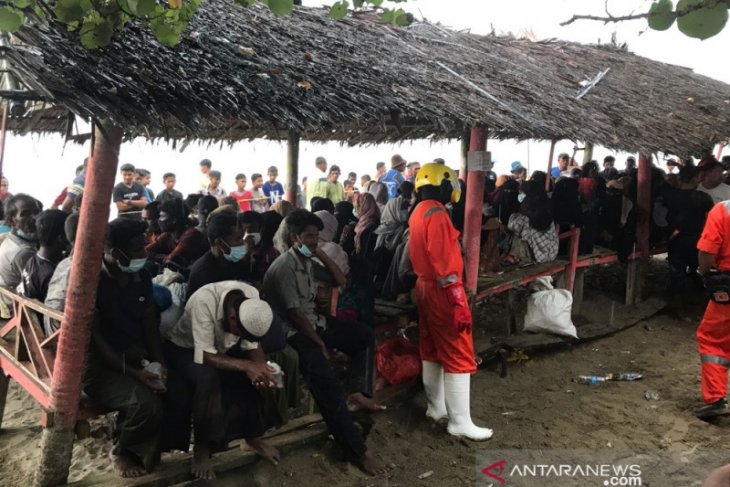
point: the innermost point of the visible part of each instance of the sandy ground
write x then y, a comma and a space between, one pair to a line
535, 407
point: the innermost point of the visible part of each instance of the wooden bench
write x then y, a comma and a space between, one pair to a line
509, 281
27, 356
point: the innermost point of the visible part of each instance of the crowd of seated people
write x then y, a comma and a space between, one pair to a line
246, 280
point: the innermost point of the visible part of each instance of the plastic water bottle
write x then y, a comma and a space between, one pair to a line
278, 374
627, 376
590, 379
155, 368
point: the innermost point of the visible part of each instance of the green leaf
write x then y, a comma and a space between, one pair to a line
10, 19
281, 7
703, 22
142, 8
375, 3
339, 10
388, 16
70, 10
166, 33
356, 4
400, 18
22, 3
96, 31
661, 15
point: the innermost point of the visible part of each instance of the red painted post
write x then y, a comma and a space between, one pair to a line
473, 211
292, 167
57, 442
643, 202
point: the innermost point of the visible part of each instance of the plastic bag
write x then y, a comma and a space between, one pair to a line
549, 312
398, 361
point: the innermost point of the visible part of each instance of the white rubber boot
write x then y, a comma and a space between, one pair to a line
456, 388
433, 384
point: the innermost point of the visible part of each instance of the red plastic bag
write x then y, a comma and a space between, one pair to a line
398, 361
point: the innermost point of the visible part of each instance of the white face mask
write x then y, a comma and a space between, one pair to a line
521, 197
256, 237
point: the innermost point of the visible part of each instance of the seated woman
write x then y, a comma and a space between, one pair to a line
361, 294
393, 223
177, 243
534, 238
325, 284
379, 191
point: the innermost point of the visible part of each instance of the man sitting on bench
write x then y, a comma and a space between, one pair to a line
126, 333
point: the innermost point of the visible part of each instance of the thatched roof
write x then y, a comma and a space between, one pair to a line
244, 73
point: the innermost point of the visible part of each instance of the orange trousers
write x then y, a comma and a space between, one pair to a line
713, 341
439, 339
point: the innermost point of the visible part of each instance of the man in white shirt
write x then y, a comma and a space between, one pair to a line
216, 367
713, 175
317, 181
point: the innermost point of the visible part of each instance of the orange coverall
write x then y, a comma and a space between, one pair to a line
713, 334
436, 257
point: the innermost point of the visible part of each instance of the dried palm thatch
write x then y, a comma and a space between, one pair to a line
242, 73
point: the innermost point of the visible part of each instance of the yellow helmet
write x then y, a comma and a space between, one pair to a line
433, 174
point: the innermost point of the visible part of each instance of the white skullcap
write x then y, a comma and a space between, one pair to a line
255, 316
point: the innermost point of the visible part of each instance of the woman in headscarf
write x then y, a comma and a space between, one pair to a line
345, 214
326, 243
394, 218
282, 207
379, 191
361, 295
534, 238
325, 285
368, 220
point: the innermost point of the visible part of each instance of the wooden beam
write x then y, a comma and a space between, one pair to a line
550, 164
292, 166
473, 211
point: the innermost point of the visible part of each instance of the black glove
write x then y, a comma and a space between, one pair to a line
718, 286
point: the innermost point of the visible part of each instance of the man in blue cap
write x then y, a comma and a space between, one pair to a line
518, 171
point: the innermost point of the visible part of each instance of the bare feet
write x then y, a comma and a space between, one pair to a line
373, 466
358, 402
126, 464
201, 466
265, 451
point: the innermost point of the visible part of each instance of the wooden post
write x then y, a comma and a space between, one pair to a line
637, 268
474, 209
464, 167
588, 152
57, 440
292, 166
720, 148
3, 132
550, 164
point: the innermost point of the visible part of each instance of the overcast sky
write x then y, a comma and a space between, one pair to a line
27, 158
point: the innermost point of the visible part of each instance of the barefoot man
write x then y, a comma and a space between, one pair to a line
446, 344
216, 368
290, 288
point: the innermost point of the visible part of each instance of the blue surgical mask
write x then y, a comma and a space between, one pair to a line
521, 197
135, 265
304, 250
236, 253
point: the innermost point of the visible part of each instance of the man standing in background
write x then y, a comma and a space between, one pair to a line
205, 166
129, 196
272, 188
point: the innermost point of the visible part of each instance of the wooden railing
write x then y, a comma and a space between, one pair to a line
26, 353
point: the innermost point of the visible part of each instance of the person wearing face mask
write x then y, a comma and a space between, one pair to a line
58, 285
218, 368
39, 268
125, 337
228, 257
289, 286
21, 212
